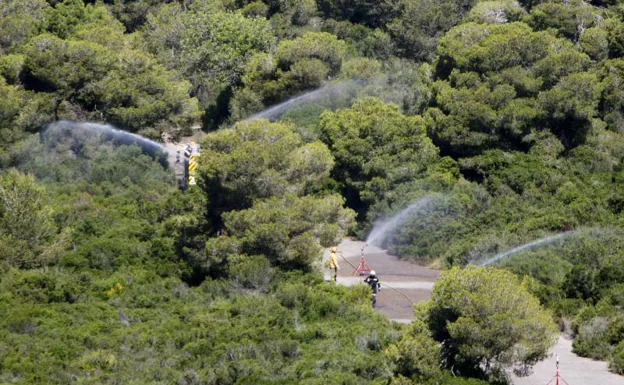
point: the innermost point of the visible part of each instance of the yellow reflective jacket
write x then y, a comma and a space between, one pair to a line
333, 261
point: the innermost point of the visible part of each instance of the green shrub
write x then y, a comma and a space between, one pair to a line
616, 364
592, 340
250, 272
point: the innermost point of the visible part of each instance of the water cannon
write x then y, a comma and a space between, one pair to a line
362, 268
557, 379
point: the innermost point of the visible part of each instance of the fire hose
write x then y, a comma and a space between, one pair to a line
383, 284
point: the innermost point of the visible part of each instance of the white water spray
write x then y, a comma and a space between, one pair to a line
107, 131
382, 229
330, 90
524, 247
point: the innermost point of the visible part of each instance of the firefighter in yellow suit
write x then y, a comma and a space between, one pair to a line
333, 263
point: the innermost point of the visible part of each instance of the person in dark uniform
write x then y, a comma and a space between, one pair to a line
374, 284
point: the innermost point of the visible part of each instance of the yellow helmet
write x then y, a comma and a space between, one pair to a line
333, 249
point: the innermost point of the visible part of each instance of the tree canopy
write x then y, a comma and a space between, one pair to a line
506, 117
376, 148
486, 321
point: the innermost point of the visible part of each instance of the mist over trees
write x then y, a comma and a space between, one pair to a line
508, 115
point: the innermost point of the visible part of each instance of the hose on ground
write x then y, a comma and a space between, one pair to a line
347, 261
383, 284
400, 292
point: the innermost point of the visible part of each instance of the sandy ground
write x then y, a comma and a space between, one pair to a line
573, 369
415, 282
399, 279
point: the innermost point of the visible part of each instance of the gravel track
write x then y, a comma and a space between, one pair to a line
573, 369
395, 275
416, 282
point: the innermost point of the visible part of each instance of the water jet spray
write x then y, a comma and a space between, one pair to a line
273, 113
381, 229
526, 246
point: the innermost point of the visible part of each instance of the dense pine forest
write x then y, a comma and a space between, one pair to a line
507, 116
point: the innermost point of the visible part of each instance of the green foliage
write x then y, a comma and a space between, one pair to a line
139, 94
64, 65
251, 273
164, 31
483, 48
420, 23
367, 12
244, 338
591, 341
68, 15
500, 81
365, 41
19, 21
451, 379
290, 231
11, 67
259, 160
258, 177
599, 328
26, 226
135, 13
129, 88
67, 157
416, 355
107, 201
569, 20
532, 194
222, 49
486, 321
495, 12
612, 73
615, 37
376, 147
207, 46
13, 109
523, 101
617, 361
297, 65
322, 46
114, 302
571, 104
579, 281
594, 42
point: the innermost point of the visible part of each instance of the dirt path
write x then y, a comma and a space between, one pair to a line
416, 282
573, 369
412, 280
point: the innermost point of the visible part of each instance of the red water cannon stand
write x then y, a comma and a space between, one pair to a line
557, 380
362, 268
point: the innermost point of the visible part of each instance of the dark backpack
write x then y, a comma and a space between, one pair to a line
373, 282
